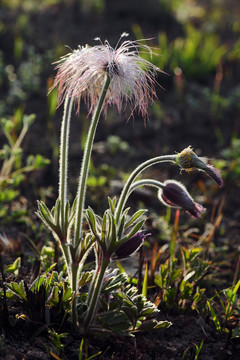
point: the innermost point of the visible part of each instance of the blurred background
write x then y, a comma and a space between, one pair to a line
196, 44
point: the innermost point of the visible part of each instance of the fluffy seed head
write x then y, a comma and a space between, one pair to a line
174, 194
81, 74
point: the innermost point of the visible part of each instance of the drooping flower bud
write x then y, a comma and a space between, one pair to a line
174, 194
130, 246
187, 159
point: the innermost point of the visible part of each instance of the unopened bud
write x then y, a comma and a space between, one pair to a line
174, 194
130, 246
187, 160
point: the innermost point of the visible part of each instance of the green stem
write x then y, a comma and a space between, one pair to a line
96, 289
63, 158
67, 258
76, 269
74, 283
125, 192
85, 165
95, 275
145, 182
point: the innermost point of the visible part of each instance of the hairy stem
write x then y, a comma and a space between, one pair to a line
74, 287
96, 289
125, 192
85, 165
63, 159
145, 182
67, 258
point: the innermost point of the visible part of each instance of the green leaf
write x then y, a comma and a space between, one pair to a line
114, 229
45, 215
135, 229
135, 217
104, 226
108, 235
161, 278
236, 287
67, 294
28, 119
121, 227
112, 204
85, 277
16, 290
94, 355
57, 213
214, 317
37, 283
92, 221
35, 162
47, 220
67, 210
198, 350
115, 281
153, 324
116, 322
14, 268
189, 275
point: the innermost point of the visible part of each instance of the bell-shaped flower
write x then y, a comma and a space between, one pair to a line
187, 159
81, 74
130, 246
174, 194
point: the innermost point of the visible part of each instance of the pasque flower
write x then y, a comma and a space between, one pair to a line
187, 159
130, 246
103, 76
81, 74
174, 194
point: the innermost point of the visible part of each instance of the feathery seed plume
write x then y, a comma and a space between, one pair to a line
81, 75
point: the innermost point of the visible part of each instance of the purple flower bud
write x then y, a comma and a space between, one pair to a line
174, 194
130, 246
187, 159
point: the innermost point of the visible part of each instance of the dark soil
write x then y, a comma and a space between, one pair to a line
187, 331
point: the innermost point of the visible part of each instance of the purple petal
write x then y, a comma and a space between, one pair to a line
214, 174
196, 211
